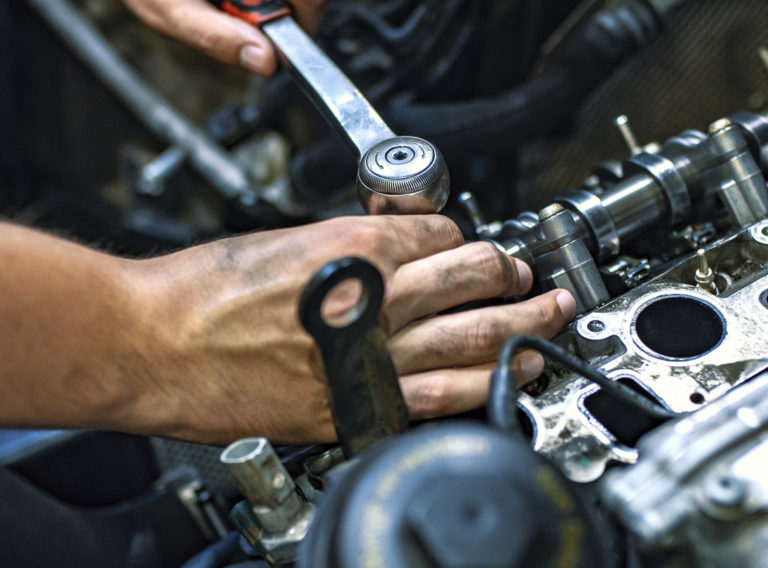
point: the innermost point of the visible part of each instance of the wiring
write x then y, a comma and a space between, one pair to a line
502, 397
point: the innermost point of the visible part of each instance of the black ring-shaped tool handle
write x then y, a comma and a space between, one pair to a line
362, 385
365, 313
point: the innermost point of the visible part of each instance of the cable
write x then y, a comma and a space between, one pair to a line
502, 396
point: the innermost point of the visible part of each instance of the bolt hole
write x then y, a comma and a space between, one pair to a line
764, 231
400, 155
596, 326
697, 398
344, 304
764, 298
537, 386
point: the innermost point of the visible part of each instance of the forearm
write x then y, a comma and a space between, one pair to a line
206, 344
69, 330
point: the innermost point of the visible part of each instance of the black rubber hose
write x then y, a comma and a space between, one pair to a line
502, 396
589, 55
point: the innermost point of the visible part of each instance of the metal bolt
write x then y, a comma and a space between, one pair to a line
278, 480
550, 211
625, 130
705, 277
596, 326
719, 125
763, 53
400, 155
472, 207
726, 491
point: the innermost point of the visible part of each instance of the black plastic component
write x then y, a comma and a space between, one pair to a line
456, 495
92, 469
153, 531
586, 57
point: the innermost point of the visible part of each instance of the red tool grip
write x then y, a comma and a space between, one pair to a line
256, 12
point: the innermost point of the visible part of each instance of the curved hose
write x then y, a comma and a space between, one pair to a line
586, 57
502, 396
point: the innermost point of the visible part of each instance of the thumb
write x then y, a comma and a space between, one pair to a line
215, 33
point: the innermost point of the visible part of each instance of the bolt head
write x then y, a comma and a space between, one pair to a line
719, 125
726, 491
278, 480
550, 211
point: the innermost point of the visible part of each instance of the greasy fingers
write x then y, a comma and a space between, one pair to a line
475, 271
413, 237
208, 29
452, 391
217, 34
476, 336
389, 241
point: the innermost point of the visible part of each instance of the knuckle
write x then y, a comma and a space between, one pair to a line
547, 314
483, 336
495, 268
357, 234
432, 394
449, 232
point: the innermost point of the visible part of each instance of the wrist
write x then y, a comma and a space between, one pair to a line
137, 400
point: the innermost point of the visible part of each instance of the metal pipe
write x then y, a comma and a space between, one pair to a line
165, 121
635, 204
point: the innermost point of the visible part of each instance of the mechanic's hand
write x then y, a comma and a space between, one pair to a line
224, 37
231, 358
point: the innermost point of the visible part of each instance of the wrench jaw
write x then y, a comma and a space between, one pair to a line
402, 175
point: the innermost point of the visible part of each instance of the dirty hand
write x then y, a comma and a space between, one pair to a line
223, 37
231, 359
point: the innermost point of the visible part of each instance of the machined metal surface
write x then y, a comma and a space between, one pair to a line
616, 339
275, 518
563, 259
743, 188
396, 174
669, 179
329, 88
590, 208
700, 486
403, 174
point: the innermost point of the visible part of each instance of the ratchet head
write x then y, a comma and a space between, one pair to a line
403, 174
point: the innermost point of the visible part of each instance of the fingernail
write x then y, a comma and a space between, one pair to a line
524, 275
567, 305
252, 58
531, 365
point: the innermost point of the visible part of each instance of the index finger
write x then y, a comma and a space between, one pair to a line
412, 237
206, 28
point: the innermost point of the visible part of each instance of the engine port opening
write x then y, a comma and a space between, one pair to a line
680, 327
537, 386
624, 421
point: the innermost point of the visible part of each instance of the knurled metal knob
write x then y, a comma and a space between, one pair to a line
404, 174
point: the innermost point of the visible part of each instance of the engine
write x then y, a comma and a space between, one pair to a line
644, 441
